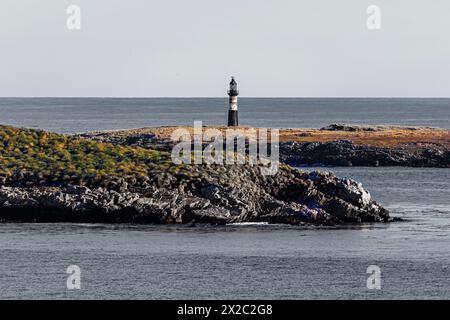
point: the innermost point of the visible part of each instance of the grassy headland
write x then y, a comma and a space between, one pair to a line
50, 157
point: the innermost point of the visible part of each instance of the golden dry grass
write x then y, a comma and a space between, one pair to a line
384, 138
389, 137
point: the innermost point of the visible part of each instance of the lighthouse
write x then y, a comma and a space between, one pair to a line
233, 111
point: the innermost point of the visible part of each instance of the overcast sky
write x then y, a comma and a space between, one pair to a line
180, 48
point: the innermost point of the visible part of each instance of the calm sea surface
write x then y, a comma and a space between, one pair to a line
239, 261
84, 114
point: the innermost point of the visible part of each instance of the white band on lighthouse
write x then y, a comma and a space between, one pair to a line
233, 103
233, 93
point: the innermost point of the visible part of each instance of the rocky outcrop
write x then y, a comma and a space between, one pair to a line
208, 194
345, 153
367, 127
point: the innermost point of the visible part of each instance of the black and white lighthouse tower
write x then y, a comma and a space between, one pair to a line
233, 120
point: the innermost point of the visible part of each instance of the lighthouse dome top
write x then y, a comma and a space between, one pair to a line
233, 88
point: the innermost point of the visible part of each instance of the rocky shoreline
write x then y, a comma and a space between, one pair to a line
346, 153
46, 177
376, 145
237, 194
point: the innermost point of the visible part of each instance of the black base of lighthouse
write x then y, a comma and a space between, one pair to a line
233, 118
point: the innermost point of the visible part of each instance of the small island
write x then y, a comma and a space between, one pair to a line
128, 176
48, 177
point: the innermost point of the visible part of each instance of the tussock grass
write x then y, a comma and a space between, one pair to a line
62, 158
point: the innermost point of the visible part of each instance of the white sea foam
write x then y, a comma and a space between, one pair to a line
249, 224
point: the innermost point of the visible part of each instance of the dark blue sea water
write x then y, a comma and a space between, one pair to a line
85, 114
239, 261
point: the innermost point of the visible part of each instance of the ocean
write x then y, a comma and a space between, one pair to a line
68, 115
239, 261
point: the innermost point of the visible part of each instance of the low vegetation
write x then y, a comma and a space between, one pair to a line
389, 136
36, 156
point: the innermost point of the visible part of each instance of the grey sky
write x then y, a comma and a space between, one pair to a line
186, 48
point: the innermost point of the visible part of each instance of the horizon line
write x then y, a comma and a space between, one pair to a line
219, 97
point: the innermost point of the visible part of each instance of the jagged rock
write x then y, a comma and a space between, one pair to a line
353, 192
355, 127
345, 153
243, 194
214, 214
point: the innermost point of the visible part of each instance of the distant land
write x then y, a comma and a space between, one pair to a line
333, 145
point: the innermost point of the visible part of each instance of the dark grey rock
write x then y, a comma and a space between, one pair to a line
211, 195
